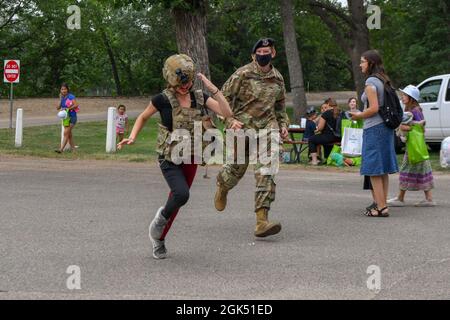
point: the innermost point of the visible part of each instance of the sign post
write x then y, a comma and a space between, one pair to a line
11, 98
11, 74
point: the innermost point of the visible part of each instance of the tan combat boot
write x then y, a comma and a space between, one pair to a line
265, 228
220, 199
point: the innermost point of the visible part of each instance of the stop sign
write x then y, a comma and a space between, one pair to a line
11, 72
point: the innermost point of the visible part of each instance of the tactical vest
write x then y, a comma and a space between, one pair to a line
182, 118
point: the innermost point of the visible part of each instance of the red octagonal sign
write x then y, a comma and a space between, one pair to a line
11, 72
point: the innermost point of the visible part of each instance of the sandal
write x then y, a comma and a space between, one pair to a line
380, 213
369, 208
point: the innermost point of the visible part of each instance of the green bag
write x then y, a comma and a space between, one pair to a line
346, 123
415, 145
66, 121
357, 161
336, 149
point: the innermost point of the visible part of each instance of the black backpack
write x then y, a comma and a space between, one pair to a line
390, 109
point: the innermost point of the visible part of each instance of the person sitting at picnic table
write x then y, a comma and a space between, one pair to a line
327, 132
325, 106
312, 119
353, 104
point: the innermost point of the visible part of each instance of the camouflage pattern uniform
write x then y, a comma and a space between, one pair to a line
257, 99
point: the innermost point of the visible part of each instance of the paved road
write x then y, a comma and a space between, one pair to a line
43, 121
95, 215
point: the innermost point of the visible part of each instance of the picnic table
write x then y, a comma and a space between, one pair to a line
298, 145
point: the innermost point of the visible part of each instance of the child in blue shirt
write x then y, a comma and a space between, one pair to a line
311, 123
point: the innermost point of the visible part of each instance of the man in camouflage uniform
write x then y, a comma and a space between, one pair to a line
256, 95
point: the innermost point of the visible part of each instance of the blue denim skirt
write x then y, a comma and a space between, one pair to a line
378, 151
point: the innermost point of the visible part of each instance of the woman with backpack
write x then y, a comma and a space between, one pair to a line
179, 107
378, 154
417, 176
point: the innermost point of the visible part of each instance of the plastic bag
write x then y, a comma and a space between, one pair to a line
66, 120
330, 160
416, 145
445, 153
352, 142
285, 157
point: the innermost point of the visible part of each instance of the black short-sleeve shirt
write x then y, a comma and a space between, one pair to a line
330, 121
162, 104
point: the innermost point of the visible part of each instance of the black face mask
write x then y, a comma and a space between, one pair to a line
264, 60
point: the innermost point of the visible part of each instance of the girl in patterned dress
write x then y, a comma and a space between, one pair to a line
419, 176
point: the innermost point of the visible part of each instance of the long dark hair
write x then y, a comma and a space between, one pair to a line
376, 67
65, 85
333, 103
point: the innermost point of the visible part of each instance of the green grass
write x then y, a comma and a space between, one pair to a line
90, 137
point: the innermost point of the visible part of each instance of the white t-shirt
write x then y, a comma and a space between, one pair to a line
120, 121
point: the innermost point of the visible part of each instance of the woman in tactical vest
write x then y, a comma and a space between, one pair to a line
179, 106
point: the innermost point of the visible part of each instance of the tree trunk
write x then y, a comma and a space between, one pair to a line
126, 66
360, 41
112, 60
293, 59
190, 26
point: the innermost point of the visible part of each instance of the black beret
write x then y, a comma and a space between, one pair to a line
263, 42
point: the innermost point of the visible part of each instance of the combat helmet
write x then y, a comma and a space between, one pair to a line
178, 69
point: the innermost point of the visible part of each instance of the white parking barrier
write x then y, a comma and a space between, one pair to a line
19, 128
111, 131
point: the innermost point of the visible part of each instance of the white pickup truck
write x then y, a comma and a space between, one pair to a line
435, 103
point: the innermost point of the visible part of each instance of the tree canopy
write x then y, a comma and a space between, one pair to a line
121, 46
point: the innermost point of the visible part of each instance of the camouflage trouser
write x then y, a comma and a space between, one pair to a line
230, 175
